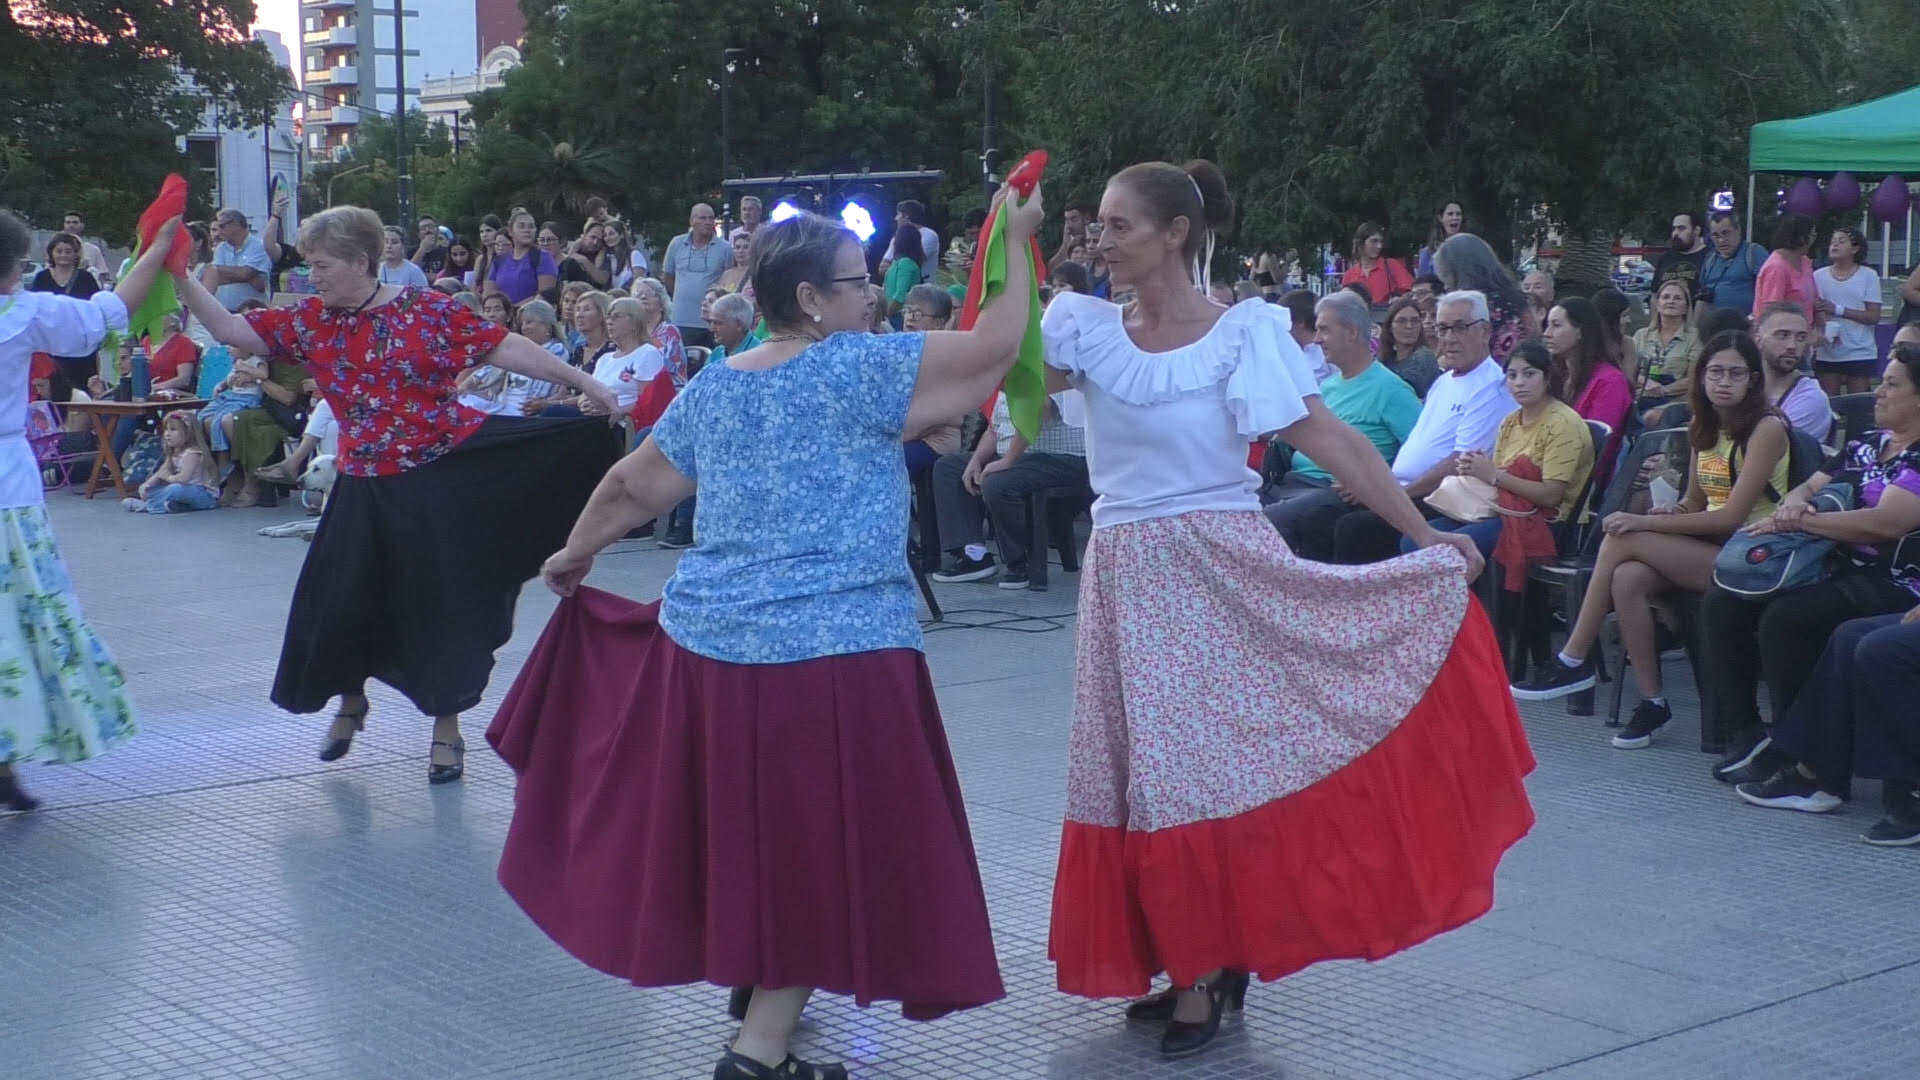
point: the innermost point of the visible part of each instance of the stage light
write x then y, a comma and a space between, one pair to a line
855, 217
783, 210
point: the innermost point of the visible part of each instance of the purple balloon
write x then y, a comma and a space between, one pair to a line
1804, 197
1889, 200
1843, 193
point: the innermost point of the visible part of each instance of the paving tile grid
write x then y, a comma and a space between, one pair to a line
211, 901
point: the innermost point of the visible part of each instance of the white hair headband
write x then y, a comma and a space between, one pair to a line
1202, 269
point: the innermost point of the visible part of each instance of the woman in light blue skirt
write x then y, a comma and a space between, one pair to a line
62, 698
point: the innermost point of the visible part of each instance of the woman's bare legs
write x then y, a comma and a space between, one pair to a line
768, 1028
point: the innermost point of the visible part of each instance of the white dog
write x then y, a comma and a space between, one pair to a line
316, 480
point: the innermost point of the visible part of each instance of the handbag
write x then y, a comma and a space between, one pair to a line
1465, 498
1767, 565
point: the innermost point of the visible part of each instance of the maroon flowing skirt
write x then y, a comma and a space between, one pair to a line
680, 819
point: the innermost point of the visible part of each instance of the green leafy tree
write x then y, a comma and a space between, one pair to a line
1608, 112
368, 174
94, 98
617, 98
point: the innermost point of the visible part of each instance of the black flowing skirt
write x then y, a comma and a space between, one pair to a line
412, 578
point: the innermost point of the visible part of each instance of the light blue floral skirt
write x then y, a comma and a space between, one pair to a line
62, 698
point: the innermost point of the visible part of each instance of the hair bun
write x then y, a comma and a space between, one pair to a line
1217, 203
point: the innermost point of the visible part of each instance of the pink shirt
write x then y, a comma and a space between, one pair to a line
1781, 280
1606, 398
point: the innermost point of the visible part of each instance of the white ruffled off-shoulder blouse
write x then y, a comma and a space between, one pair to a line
1167, 432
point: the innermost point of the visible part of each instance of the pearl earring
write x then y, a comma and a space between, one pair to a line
816, 317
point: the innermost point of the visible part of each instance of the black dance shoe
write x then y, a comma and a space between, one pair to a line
332, 749
15, 797
446, 774
1183, 1038
734, 1066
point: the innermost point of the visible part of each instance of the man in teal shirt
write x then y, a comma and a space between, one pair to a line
1362, 393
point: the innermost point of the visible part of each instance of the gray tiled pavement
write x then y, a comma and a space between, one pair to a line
210, 901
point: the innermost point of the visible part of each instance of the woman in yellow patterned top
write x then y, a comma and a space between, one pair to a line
1739, 475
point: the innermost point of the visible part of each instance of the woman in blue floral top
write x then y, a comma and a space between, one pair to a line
62, 698
747, 782
440, 512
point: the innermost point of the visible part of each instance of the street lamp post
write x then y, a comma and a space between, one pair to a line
989, 118
338, 175
405, 185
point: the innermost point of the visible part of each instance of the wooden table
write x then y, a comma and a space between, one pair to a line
106, 416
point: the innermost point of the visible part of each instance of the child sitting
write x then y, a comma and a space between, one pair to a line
236, 393
185, 480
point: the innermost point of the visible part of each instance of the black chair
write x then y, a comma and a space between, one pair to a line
1050, 516
926, 523
1569, 576
1856, 415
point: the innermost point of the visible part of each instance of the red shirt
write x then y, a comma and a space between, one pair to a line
389, 373
166, 361
1388, 279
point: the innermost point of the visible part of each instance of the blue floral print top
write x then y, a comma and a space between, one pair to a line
800, 546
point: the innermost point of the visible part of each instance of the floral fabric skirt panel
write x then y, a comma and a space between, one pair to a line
1275, 762
62, 698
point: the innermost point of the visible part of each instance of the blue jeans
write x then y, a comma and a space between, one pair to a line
1483, 533
180, 498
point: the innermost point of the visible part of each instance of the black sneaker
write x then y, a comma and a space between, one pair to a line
677, 539
964, 568
1901, 825
1015, 577
1647, 719
1557, 681
1753, 760
1789, 790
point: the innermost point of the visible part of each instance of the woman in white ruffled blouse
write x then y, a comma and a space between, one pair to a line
1270, 764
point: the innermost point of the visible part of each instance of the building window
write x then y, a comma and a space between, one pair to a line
204, 152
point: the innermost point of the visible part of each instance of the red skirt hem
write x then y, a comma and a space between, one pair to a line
1396, 847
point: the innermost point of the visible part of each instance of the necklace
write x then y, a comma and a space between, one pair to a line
809, 339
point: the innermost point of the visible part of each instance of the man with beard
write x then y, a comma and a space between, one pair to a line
1683, 258
1783, 337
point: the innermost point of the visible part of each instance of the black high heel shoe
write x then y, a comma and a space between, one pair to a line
734, 1066
1155, 1008
1183, 1038
15, 797
443, 774
333, 749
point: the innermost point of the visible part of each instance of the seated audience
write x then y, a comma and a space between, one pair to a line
1300, 305
1855, 718
1876, 571
929, 307
1462, 413
1403, 346
1597, 389
994, 481
1740, 455
1666, 347
1542, 456
185, 479
1784, 335
321, 435
1363, 394
233, 395
730, 322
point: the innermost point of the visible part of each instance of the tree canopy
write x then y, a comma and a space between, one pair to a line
94, 98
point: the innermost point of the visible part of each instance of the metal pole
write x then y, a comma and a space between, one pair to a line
1749, 236
990, 119
405, 187
726, 206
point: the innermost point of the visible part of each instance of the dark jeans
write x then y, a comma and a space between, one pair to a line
1856, 714
1306, 514
1780, 638
1003, 497
1484, 533
920, 456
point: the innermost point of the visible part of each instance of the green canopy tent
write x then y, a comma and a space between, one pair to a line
1873, 138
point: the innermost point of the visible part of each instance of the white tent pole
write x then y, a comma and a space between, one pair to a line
1749, 208
1886, 250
